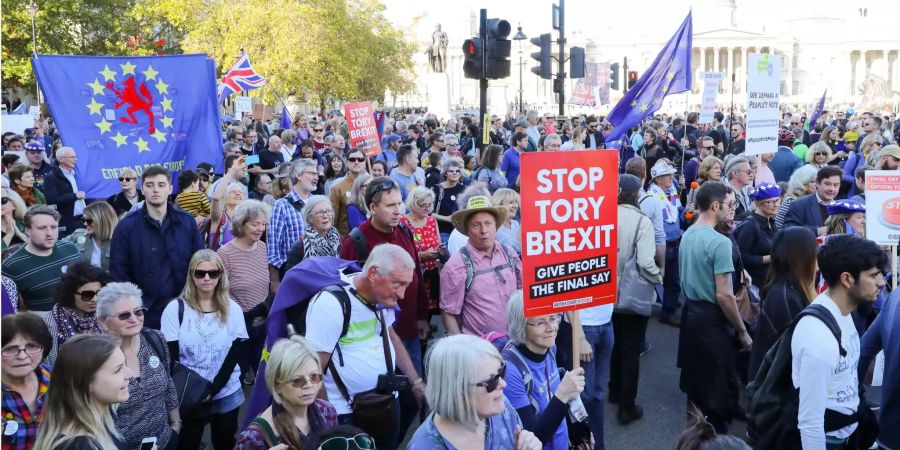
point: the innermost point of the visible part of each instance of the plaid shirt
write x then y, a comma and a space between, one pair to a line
285, 227
16, 411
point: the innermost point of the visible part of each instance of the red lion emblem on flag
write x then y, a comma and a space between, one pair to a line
136, 101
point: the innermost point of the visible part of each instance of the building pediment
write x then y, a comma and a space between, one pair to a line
727, 33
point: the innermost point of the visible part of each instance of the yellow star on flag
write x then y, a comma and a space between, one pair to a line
150, 73
142, 145
95, 106
159, 136
265, 353
162, 87
644, 106
97, 87
671, 75
128, 68
166, 102
120, 139
634, 103
167, 121
104, 126
665, 89
108, 75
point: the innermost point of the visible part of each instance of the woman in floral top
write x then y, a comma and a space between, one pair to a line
424, 228
294, 377
26, 342
75, 312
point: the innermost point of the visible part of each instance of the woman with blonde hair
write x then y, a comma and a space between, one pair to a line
465, 392
13, 214
129, 194
293, 377
577, 140
357, 211
802, 182
93, 240
846, 217
225, 199
90, 376
865, 155
205, 330
710, 170
819, 155
509, 232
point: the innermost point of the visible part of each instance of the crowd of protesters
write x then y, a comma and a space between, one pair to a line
162, 291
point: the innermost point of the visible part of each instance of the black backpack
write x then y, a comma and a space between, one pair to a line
362, 247
775, 402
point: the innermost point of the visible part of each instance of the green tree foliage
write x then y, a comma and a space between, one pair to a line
318, 49
79, 27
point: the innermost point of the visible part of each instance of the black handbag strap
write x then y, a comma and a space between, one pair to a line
387, 359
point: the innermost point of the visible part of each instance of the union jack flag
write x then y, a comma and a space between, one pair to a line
241, 77
583, 94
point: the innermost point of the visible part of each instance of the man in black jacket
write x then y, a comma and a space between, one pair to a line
61, 189
594, 138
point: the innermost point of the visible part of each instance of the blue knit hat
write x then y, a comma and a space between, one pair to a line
845, 207
765, 191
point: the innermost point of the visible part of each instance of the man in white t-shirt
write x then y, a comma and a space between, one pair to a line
851, 266
374, 294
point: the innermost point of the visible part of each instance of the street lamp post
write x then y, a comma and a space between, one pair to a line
32, 9
520, 36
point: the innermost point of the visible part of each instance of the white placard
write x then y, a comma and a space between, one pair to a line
17, 123
763, 98
34, 111
243, 104
878, 373
883, 206
711, 81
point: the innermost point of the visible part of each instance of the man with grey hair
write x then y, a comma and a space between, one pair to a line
534, 129
739, 175
552, 143
286, 224
61, 190
374, 294
384, 227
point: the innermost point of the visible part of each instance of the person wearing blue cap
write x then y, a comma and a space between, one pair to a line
846, 217
34, 152
390, 144
754, 235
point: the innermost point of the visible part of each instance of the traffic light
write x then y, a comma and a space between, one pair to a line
542, 56
614, 76
472, 66
576, 62
632, 78
497, 50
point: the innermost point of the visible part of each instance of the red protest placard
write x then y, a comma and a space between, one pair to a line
569, 217
362, 128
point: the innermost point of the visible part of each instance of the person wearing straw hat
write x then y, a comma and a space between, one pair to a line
477, 281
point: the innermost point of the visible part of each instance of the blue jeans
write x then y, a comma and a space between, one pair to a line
596, 376
671, 283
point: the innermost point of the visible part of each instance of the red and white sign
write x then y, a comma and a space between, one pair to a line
362, 127
883, 206
569, 219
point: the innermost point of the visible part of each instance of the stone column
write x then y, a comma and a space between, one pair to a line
789, 73
702, 64
715, 60
730, 70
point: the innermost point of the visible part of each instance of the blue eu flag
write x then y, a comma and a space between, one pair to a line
670, 73
131, 112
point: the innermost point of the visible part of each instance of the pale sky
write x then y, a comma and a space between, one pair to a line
656, 19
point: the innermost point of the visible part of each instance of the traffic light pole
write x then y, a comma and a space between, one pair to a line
483, 82
561, 63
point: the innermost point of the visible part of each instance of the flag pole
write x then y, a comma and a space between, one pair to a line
283, 105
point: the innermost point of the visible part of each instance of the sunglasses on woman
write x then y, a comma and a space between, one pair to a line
213, 274
124, 179
490, 385
362, 441
87, 295
87, 221
127, 314
303, 380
